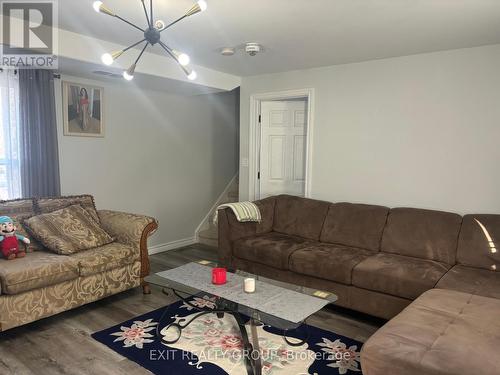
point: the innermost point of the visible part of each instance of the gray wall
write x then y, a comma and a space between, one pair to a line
420, 130
164, 155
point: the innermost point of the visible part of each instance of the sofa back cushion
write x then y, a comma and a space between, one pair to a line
19, 210
47, 205
422, 233
479, 242
300, 217
355, 225
68, 230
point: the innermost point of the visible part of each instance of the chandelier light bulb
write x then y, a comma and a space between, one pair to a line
97, 6
203, 5
182, 58
129, 73
127, 76
107, 59
192, 76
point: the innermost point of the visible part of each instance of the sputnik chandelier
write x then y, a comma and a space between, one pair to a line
152, 36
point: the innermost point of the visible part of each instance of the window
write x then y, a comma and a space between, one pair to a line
10, 177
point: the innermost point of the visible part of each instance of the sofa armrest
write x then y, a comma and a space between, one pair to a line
132, 230
230, 229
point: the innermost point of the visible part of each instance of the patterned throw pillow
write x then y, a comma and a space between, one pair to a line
46, 205
68, 231
34, 245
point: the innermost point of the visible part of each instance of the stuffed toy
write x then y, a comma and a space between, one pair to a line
9, 240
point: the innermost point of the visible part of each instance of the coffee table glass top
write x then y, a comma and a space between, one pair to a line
280, 304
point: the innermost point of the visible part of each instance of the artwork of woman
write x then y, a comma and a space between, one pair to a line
84, 108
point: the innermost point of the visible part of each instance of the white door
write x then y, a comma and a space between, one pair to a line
283, 147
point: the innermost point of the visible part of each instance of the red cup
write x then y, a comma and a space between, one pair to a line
219, 276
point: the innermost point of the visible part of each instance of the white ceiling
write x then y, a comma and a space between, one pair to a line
298, 34
91, 71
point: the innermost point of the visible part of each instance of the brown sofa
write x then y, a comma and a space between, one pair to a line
44, 283
378, 260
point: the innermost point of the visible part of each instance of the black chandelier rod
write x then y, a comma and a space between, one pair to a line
128, 22
174, 22
146, 12
151, 12
167, 48
140, 55
133, 45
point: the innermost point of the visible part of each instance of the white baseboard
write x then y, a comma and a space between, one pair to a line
171, 245
204, 222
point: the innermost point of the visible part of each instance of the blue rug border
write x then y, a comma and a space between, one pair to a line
315, 336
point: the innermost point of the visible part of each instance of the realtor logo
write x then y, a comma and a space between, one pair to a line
29, 37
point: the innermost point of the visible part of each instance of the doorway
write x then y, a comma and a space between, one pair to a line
282, 144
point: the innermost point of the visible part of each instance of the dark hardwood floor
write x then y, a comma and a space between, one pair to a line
62, 344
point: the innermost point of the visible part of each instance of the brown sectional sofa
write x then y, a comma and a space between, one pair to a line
44, 283
443, 332
378, 260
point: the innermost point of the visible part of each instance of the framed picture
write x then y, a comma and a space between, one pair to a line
82, 110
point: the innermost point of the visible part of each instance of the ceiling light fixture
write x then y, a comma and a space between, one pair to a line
152, 36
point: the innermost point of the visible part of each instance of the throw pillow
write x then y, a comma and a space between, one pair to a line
46, 205
34, 245
68, 230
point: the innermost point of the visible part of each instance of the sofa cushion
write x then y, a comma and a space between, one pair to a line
36, 270
47, 205
479, 242
443, 332
68, 230
423, 234
300, 217
239, 230
355, 225
273, 249
398, 275
104, 258
17, 207
472, 280
329, 262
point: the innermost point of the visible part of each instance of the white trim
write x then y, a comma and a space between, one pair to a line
204, 223
171, 245
253, 142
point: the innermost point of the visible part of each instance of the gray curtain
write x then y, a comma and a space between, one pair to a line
38, 134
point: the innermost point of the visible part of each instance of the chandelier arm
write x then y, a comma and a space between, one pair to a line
146, 12
140, 54
174, 22
169, 51
151, 11
128, 22
133, 45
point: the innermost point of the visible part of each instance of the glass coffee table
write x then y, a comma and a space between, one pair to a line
281, 305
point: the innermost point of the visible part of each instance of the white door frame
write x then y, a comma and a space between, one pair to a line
254, 136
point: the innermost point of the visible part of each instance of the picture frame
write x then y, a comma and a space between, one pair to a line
83, 109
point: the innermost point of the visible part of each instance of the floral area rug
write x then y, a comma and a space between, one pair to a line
213, 346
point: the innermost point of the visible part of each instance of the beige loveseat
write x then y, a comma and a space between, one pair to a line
44, 283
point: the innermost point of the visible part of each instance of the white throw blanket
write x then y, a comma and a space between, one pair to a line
244, 211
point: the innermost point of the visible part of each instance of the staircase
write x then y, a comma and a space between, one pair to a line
208, 234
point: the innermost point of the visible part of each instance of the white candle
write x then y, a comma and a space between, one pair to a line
249, 285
